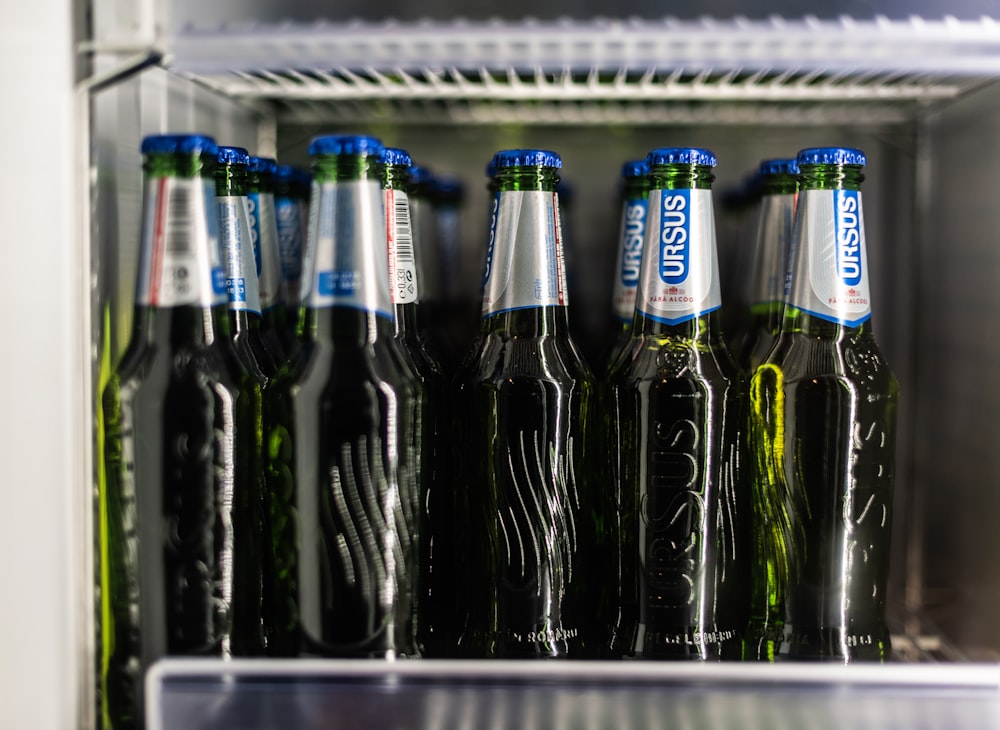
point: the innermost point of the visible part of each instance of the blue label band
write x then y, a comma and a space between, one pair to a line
675, 236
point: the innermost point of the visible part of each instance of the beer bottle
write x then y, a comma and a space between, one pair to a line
525, 402
267, 258
823, 418
635, 194
436, 578
434, 311
291, 211
677, 434
176, 470
242, 284
769, 268
354, 404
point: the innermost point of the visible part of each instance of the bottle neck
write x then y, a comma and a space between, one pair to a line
405, 277
772, 244
679, 281
630, 244
179, 260
524, 263
347, 240
828, 273
236, 239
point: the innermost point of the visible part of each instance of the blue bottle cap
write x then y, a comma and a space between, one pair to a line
263, 165
420, 175
233, 156
395, 156
635, 168
526, 158
681, 156
168, 144
491, 169
831, 156
448, 189
345, 144
778, 167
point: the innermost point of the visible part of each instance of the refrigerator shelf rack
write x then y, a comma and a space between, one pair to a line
594, 71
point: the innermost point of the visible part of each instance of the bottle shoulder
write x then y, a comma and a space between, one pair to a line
852, 357
667, 357
499, 356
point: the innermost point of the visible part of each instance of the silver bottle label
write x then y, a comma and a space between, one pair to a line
829, 278
680, 269
289, 219
774, 240
351, 268
403, 280
630, 242
180, 260
524, 261
237, 252
264, 230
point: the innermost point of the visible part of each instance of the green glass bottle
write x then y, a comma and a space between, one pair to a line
242, 283
261, 173
176, 565
355, 403
436, 577
635, 199
823, 415
523, 427
778, 186
676, 428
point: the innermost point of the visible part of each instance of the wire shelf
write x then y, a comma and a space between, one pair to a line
633, 71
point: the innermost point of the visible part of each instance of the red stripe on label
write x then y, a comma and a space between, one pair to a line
159, 242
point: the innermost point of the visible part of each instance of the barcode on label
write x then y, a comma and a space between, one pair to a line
399, 237
180, 232
403, 231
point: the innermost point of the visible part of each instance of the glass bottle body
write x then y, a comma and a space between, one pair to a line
527, 402
677, 417
823, 412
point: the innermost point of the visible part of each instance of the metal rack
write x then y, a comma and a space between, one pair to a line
599, 71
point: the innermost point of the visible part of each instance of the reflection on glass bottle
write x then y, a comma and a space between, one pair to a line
524, 406
823, 413
676, 429
436, 578
176, 445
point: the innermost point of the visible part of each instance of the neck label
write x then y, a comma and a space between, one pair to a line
524, 262
774, 240
633, 231
403, 284
830, 276
680, 272
289, 216
237, 251
180, 259
264, 230
351, 265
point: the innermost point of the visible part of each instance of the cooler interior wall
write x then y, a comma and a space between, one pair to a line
929, 215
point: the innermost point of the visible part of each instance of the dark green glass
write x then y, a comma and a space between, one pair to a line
435, 313
823, 413
526, 516
264, 229
178, 522
676, 431
354, 404
436, 546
